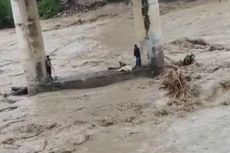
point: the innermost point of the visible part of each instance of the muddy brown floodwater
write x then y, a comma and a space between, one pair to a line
136, 116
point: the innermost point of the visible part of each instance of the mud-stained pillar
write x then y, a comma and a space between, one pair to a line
148, 30
30, 42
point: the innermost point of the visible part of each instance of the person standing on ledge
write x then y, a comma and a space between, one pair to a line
137, 54
49, 68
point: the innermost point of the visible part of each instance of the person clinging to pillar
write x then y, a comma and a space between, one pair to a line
49, 68
137, 54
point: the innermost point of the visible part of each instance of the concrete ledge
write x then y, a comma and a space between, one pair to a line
93, 80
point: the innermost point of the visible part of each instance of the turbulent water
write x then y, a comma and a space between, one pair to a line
132, 116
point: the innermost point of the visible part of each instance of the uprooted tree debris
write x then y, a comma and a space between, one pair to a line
179, 90
188, 60
175, 82
197, 44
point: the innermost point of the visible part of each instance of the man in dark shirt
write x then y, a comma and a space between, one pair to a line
49, 67
137, 54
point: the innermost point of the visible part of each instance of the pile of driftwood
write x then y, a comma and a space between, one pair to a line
182, 98
175, 82
188, 60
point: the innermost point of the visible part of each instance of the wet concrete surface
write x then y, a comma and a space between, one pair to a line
93, 80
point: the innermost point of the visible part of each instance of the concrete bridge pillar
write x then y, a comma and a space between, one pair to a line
148, 30
30, 42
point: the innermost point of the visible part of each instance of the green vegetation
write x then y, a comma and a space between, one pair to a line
48, 8
5, 14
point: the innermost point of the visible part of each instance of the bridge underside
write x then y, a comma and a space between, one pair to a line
29, 34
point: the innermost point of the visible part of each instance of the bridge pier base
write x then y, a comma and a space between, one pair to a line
148, 30
30, 40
